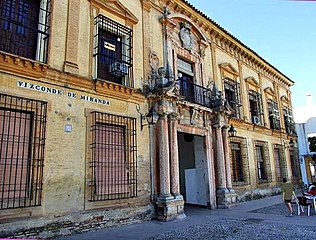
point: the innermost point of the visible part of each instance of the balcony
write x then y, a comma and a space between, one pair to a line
195, 93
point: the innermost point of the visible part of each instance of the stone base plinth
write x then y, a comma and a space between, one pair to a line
170, 208
226, 198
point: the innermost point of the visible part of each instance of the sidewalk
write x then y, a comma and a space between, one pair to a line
270, 211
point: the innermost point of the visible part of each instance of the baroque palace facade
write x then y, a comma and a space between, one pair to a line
79, 79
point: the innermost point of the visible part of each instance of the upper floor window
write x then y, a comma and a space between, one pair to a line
274, 115
255, 107
113, 51
24, 29
232, 96
191, 91
186, 76
288, 121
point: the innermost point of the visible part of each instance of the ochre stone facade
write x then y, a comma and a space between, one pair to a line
197, 77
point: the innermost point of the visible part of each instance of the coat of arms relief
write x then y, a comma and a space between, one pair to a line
186, 36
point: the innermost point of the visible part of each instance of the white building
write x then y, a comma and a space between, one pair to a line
305, 119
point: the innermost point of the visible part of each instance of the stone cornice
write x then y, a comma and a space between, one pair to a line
227, 42
20, 65
26, 68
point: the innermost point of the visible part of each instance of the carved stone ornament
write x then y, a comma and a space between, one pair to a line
186, 36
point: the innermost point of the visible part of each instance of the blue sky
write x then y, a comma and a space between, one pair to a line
282, 32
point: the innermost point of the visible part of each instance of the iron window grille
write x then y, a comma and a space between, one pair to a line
295, 165
288, 121
239, 161
113, 51
232, 96
255, 106
113, 166
280, 163
24, 28
263, 162
274, 115
22, 142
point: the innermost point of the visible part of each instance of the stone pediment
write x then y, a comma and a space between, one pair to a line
228, 68
195, 28
117, 8
252, 81
269, 91
285, 99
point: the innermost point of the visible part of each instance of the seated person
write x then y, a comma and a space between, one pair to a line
312, 191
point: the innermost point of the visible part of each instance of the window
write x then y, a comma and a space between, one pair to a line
288, 121
295, 165
232, 96
24, 29
191, 91
22, 141
263, 162
255, 106
260, 163
113, 165
239, 161
113, 51
274, 115
185, 71
280, 163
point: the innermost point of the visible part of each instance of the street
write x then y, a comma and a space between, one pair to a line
258, 219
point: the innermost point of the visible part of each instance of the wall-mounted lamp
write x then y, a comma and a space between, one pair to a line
291, 143
232, 131
151, 117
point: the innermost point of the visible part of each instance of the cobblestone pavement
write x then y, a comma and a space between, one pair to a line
249, 228
260, 219
235, 229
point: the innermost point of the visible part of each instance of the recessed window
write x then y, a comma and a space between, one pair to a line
255, 107
113, 51
22, 141
232, 96
274, 115
239, 161
280, 163
263, 162
24, 28
288, 121
113, 166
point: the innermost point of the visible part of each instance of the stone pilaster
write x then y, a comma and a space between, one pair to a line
71, 58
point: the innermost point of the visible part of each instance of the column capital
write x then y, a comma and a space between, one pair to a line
173, 116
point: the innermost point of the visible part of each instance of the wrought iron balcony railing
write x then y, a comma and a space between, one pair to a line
194, 93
